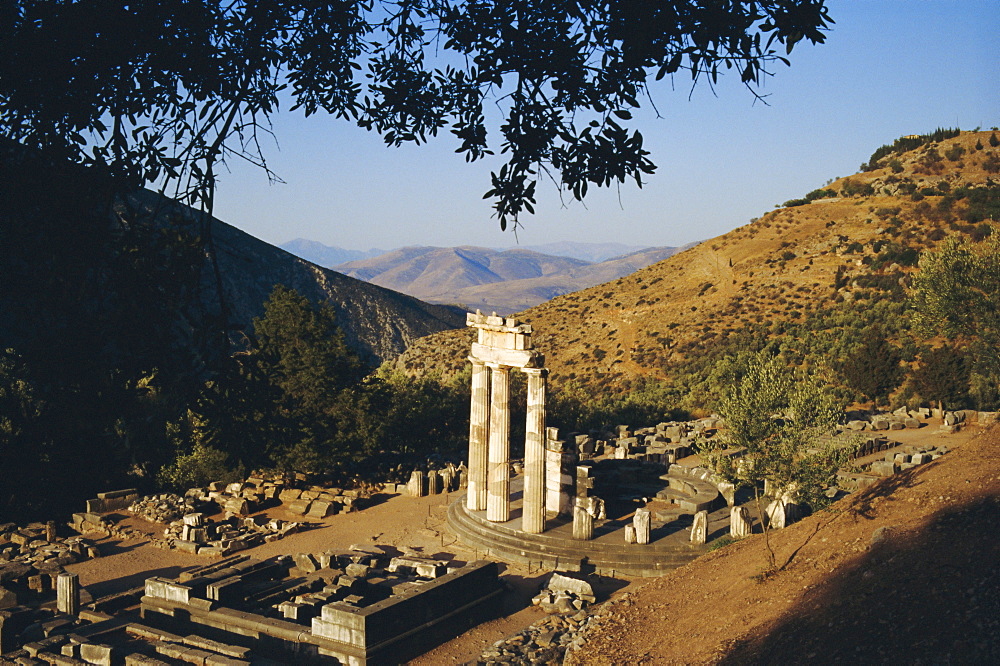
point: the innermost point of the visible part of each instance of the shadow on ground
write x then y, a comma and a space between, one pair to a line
125, 583
927, 596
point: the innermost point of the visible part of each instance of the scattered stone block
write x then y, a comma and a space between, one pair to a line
306, 563
320, 509
641, 521
884, 467
699, 530
739, 522
563, 582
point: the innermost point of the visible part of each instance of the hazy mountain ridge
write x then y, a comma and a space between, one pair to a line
592, 252
481, 278
326, 255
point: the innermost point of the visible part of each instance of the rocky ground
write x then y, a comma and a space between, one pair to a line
903, 572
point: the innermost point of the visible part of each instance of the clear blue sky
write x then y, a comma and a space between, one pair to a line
888, 68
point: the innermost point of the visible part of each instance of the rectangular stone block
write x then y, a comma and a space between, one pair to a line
100, 655
320, 509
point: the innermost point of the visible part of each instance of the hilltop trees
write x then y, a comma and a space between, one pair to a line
170, 89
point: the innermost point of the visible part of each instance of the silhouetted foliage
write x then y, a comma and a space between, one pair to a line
943, 376
171, 89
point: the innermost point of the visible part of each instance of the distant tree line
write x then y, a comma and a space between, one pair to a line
906, 143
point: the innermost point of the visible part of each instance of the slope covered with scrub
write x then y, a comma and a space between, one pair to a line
808, 276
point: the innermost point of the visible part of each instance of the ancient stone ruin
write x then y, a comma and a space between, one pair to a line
502, 344
356, 607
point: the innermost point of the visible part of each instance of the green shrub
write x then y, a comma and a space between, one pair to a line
955, 153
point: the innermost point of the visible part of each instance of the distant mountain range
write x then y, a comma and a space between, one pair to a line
591, 252
330, 256
326, 255
504, 281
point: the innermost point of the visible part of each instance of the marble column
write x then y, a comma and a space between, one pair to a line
699, 529
68, 593
642, 522
498, 467
533, 506
739, 522
479, 424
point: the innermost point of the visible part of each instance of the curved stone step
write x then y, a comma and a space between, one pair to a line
555, 552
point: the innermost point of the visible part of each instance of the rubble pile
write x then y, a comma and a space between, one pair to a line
163, 508
358, 578
544, 642
32, 557
664, 443
317, 502
566, 600
900, 459
564, 594
194, 534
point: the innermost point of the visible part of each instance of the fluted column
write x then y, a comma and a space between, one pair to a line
533, 506
479, 423
498, 497
68, 593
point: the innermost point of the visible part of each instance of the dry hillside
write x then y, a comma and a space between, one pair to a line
788, 264
903, 572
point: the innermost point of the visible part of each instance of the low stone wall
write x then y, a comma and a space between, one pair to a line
114, 500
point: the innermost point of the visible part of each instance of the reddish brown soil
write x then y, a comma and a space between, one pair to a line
903, 572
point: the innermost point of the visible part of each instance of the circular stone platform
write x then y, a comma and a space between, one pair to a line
607, 554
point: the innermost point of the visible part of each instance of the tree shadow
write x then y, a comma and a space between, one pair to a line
108, 548
863, 504
925, 596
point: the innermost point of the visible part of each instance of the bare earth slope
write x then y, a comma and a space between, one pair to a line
904, 572
781, 267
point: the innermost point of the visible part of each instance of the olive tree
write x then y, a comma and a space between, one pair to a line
956, 292
168, 89
775, 419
